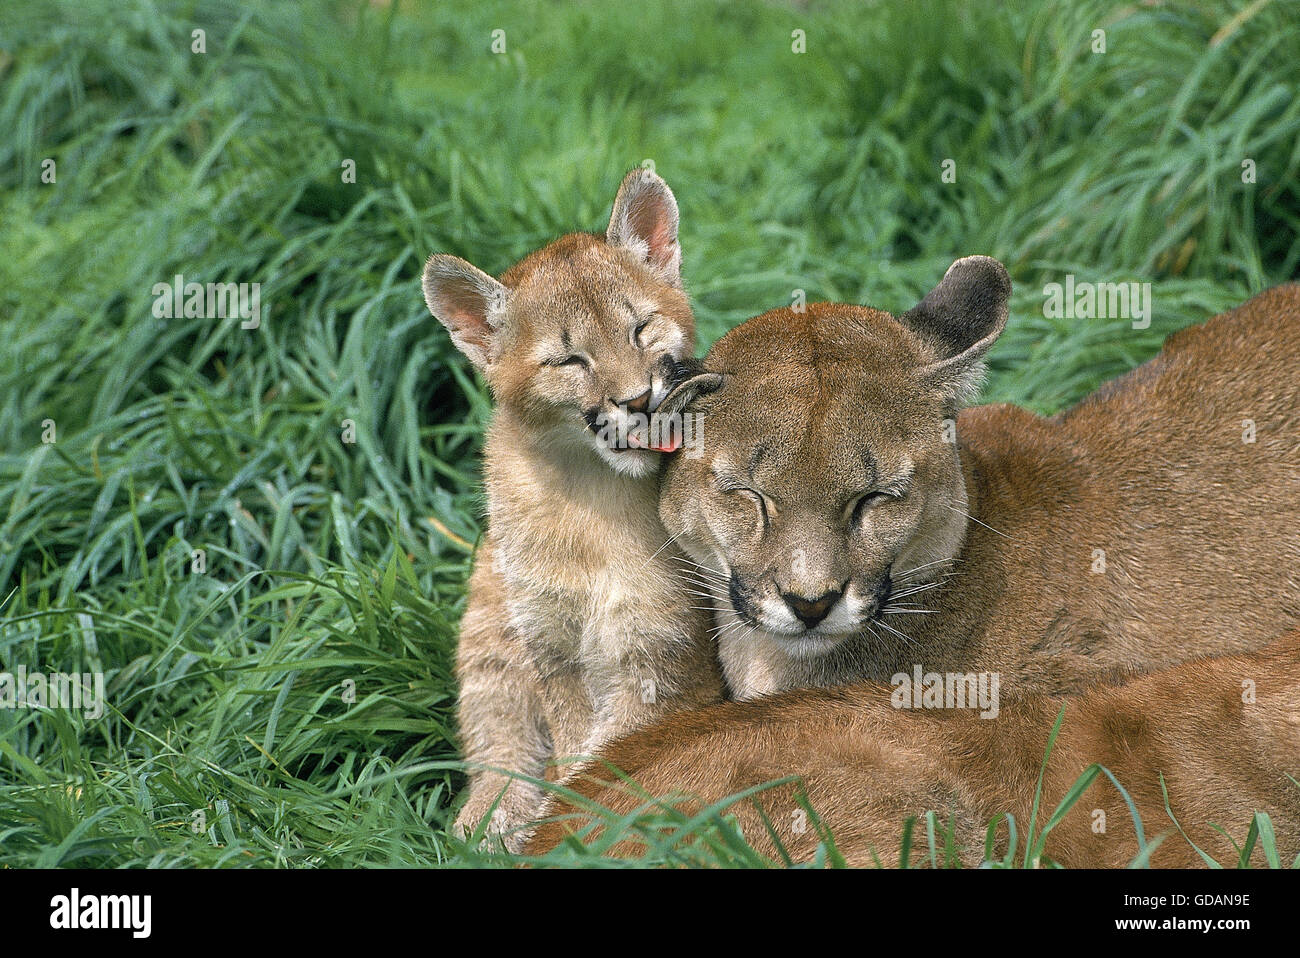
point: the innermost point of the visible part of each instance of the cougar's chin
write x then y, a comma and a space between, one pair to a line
810, 645
796, 642
778, 624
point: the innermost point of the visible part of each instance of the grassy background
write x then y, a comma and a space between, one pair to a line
330, 563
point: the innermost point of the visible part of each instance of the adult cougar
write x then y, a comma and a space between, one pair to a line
848, 524
1220, 736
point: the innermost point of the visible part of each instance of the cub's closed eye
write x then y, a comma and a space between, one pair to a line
574, 360
638, 332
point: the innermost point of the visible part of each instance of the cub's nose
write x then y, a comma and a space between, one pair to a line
638, 404
811, 611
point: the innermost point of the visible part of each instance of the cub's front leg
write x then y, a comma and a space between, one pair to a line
650, 677
501, 714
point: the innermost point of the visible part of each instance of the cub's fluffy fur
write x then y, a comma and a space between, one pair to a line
579, 624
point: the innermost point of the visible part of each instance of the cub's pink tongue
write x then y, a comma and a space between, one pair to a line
668, 444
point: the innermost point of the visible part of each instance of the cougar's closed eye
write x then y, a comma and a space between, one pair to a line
869, 500
754, 496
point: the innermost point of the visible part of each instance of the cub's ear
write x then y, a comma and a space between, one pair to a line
466, 300
961, 318
691, 380
644, 221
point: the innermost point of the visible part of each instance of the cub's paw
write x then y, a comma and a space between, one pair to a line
508, 826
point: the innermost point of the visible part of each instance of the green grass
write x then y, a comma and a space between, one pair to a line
332, 563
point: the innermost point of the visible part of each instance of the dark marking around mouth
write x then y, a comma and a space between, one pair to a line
738, 601
883, 592
675, 371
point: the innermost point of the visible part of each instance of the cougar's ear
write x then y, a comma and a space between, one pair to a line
469, 302
644, 221
691, 381
960, 319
